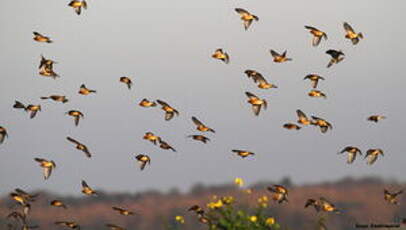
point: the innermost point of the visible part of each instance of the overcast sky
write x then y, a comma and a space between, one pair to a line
166, 47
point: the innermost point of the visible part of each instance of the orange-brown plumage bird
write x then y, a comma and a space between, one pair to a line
256, 103
317, 35
77, 5
169, 110
351, 34
127, 81
246, 17
41, 38
279, 58
221, 55
76, 114
80, 146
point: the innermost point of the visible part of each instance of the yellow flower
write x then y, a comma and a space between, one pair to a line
214, 205
270, 221
227, 199
239, 182
263, 201
180, 219
253, 218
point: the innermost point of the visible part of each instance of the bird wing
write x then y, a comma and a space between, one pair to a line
196, 121
73, 140
250, 95
300, 114
241, 11
274, 53
347, 27
162, 103
311, 28
256, 109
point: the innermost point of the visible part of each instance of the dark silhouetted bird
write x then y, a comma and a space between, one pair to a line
336, 57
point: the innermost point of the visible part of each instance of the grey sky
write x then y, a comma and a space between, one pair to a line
165, 47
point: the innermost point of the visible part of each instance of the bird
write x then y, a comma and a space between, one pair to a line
19, 105
114, 227
165, 145
314, 78
80, 146
376, 118
279, 58
21, 199
17, 216
390, 197
69, 224
76, 114
169, 111
143, 160
221, 55
314, 203
351, 34
372, 155
47, 166
25, 195
323, 124
77, 5
3, 134
85, 91
317, 93
327, 206
243, 153
41, 38
291, 126
256, 103
46, 72
46, 63
257, 77
352, 153
123, 212
58, 203
127, 81
302, 118
87, 190
280, 193
201, 138
201, 127
336, 57
151, 137
196, 209
33, 109
57, 98
317, 35
246, 17
146, 103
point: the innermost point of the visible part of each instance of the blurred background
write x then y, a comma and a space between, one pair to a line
165, 48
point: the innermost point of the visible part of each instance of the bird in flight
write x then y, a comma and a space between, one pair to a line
372, 155
351, 34
256, 103
127, 81
257, 77
165, 145
314, 78
302, 118
3, 134
169, 110
201, 127
58, 203
279, 58
323, 124
85, 91
317, 35
77, 115
114, 227
87, 190
57, 98
246, 17
47, 166
317, 93
352, 153
41, 38
201, 138
279, 193
322, 205
151, 137
146, 103
291, 126
80, 146
336, 57
143, 160
69, 224
123, 212
376, 118
391, 197
221, 55
243, 153
77, 5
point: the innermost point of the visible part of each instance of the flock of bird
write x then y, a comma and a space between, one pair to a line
279, 192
